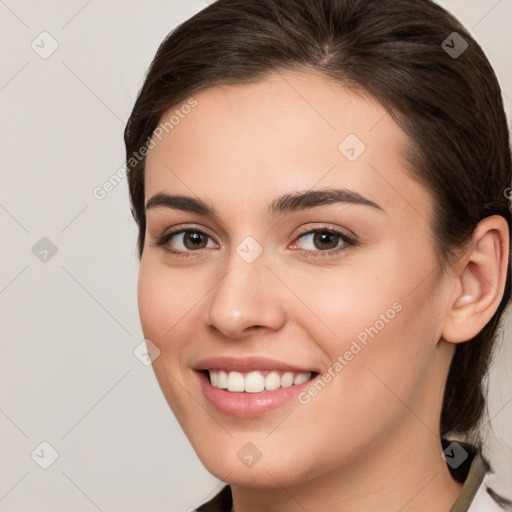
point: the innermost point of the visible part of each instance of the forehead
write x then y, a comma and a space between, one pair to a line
290, 131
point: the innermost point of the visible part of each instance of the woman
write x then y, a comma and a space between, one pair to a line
324, 234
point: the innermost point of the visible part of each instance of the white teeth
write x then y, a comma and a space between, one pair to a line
222, 379
272, 381
255, 381
235, 381
287, 380
300, 378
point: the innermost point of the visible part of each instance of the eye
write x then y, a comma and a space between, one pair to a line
324, 241
182, 241
319, 242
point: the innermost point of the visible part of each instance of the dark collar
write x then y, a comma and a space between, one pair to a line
471, 485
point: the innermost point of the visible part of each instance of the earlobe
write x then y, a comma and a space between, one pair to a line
481, 271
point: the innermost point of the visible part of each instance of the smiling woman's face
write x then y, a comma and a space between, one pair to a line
266, 278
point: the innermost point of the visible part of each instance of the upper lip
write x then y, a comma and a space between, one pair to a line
247, 364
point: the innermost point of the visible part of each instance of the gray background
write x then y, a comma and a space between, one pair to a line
69, 324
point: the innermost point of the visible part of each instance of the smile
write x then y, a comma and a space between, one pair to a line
253, 386
256, 381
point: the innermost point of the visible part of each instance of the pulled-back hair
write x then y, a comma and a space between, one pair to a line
448, 103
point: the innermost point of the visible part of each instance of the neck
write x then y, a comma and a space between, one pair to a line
401, 475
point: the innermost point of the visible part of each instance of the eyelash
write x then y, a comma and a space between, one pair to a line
347, 240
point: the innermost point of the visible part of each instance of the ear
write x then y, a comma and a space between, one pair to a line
480, 280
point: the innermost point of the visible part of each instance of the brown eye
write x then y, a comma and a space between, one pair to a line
185, 241
324, 240
194, 240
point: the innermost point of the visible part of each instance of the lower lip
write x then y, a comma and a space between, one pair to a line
248, 405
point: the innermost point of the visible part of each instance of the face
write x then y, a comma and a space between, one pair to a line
321, 311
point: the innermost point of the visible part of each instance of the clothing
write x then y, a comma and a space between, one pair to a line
475, 496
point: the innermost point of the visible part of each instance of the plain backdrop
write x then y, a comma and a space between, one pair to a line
69, 378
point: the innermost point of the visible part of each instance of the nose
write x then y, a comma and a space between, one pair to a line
247, 297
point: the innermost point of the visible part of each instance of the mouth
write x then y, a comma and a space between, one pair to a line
253, 386
256, 381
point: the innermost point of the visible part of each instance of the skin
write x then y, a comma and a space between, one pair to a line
369, 440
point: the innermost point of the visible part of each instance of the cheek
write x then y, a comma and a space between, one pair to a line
166, 301
372, 324
379, 293
344, 304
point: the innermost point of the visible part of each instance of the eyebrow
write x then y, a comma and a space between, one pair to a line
287, 203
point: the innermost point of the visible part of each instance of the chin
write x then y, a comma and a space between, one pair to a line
239, 462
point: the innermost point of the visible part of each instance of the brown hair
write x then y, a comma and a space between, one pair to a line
450, 107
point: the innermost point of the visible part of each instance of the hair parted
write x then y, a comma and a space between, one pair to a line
450, 108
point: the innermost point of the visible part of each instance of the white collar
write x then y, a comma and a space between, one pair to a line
483, 501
